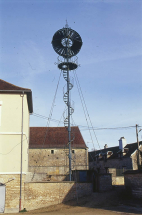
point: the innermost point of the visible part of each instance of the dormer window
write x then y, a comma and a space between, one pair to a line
100, 155
126, 150
109, 153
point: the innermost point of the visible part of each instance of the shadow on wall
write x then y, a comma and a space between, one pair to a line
100, 181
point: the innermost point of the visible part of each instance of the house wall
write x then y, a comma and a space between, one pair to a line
135, 159
113, 165
117, 163
10, 133
43, 161
39, 195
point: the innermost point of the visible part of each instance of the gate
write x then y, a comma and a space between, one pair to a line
2, 198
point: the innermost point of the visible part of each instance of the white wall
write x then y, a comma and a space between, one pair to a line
10, 133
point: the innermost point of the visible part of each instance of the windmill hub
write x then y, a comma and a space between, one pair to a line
64, 39
67, 42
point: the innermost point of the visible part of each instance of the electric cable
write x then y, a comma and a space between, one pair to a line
86, 108
48, 121
83, 126
83, 108
12, 148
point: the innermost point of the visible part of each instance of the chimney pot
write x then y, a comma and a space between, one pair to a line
122, 143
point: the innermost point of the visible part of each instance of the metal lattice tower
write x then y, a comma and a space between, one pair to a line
67, 43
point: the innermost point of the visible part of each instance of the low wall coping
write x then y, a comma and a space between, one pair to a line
70, 182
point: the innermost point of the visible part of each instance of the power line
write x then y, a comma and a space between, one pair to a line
83, 104
12, 148
86, 108
83, 126
115, 128
49, 118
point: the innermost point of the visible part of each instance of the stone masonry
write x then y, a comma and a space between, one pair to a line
133, 182
12, 182
38, 195
55, 161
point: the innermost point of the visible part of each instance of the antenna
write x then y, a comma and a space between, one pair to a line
67, 43
66, 26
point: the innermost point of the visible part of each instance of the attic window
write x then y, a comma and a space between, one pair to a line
52, 151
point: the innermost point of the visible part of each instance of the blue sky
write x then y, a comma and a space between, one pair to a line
110, 72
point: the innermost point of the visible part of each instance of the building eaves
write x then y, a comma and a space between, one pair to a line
8, 88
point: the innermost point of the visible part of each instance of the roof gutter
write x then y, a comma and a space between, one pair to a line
16, 91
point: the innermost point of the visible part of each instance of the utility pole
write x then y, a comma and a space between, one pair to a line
21, 153
138, 144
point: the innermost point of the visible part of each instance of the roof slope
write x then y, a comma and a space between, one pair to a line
131, 148
6, 87
55, 137
114, 149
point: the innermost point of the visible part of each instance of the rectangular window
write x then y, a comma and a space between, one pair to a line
73, 151
0, 111
52, 151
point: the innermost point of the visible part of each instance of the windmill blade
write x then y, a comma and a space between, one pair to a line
65, 48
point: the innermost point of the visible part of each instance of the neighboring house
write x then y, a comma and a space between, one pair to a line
116, 159
14, 101
49, 151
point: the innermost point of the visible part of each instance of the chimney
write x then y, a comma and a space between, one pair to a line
105, 146
122, 143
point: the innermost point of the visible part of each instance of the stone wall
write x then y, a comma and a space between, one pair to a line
117, 163
44, 177
12, 182
44, 194
118, 180
39, 194
104, 182
55, 161
133, 182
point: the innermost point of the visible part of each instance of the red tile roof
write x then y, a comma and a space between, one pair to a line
6, 87
55, 137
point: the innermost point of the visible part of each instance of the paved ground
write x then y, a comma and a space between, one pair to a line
109, 203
